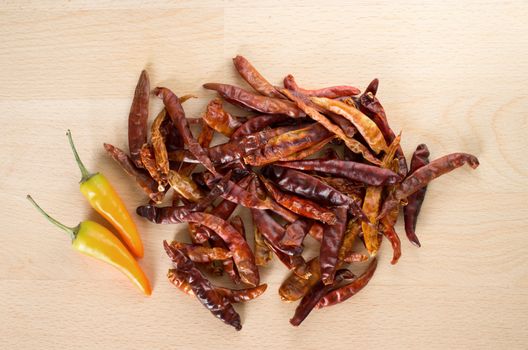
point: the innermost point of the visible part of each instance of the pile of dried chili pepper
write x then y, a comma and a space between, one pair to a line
305, 162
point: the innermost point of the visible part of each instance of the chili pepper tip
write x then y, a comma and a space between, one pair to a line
414, 240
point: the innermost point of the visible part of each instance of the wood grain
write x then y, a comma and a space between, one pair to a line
453, 74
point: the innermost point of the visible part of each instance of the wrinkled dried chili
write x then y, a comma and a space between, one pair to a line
316, 293
220, 120
330, 245
202, 288
411, 211
263, 104
351, 143
175, 110
137, 119
367, 174
231, 295
242, 254
341, 294
254, 78
147, 184
329, 92
366, 127
422, 176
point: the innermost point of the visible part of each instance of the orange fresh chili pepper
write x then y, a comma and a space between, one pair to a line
105, 200
97, 241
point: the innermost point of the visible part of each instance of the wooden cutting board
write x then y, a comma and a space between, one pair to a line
452, 74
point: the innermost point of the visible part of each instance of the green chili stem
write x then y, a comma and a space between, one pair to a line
71, 230
84, 172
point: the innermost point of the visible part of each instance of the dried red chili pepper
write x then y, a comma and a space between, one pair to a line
147, 184
268, 227
137, 119
184, 186
318, 291
295, 287
179, 281
149, 163
346, 253
204, 139
364, 173
158, 144
242, 295
202, 288
231, 295
329, 92
341, 294
201, 254
392, 236
238, 148
301, 206
175, 110
372, 202
366, 127
370, 105
371, 205
372, 87
163, 215
308, 151
258, 123
236, 194
287, 144
414, 201
354, 145
262, 251
295, 233
220, 120
263, 104
422, 176
330, 245
312, 188
242, 254
254, 78
353, 189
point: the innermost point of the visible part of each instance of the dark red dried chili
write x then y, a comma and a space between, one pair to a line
318, 291
330, 245
242, 254
341, 294
202, 288
312, 188
263, 104
258, 123
175, 110
137, 119
254, 78
414, 201
329, 92
367, 174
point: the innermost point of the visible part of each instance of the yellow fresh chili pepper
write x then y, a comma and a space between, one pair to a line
97, 241
105, 200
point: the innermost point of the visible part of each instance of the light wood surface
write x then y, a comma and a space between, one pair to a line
453, 74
